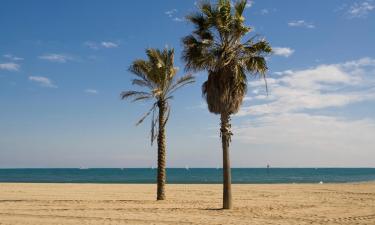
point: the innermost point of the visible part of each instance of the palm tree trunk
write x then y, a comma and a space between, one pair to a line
225, 139
161, 152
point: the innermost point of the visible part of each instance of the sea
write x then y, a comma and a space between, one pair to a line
189, 175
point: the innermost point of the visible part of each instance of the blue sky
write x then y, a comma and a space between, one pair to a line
63, 65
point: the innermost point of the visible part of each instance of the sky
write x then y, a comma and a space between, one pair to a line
63, 65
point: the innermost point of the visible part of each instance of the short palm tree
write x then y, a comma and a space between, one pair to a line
157, 76
216, 46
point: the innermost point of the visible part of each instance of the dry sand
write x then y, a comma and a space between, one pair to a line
78, 204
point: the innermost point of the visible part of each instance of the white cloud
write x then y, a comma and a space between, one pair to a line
178, 19
334, 85
103, 44
360, 9
91, 91
287, 125
301, 23
304, 116
12, 57
91, 44
248, 98
283, 51
307, 138
264, 11
9, 66
172, 14
60, 58
249, 4
202, 105
42, 81
108, 44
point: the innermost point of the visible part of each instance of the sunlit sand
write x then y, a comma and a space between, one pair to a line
40, 204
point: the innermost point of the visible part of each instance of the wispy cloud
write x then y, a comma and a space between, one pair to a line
91, 44
249, 3
301, 23
342, 141
59, 58
98, 45
172, 14
42, 81
178, 19
12, 57
360, 9
108, 44
10, 66
91, 91
201, 105
264, 11
283, 51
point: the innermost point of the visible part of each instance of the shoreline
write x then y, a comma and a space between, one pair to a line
88, 183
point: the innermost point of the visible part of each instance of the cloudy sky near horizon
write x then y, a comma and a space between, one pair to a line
63, 65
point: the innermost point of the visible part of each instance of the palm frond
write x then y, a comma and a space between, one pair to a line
240, 7
146, 114
198, 54
140, 68
182, 81
153, 132
258, 48
133, 94
142, 98
155, 57
256, 65
207, 9
167, 115
143, 83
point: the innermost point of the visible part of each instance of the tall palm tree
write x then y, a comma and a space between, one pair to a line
157, 77
216, 46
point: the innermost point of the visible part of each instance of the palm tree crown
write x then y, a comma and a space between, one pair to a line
216, 46
157, 77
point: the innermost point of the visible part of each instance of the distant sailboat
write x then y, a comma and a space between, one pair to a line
186, 167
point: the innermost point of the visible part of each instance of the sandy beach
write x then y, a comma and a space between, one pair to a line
39, 204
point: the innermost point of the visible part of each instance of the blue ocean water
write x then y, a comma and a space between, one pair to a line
194, 175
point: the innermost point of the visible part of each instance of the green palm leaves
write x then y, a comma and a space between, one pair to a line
216, 46
156, 76
217, 36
